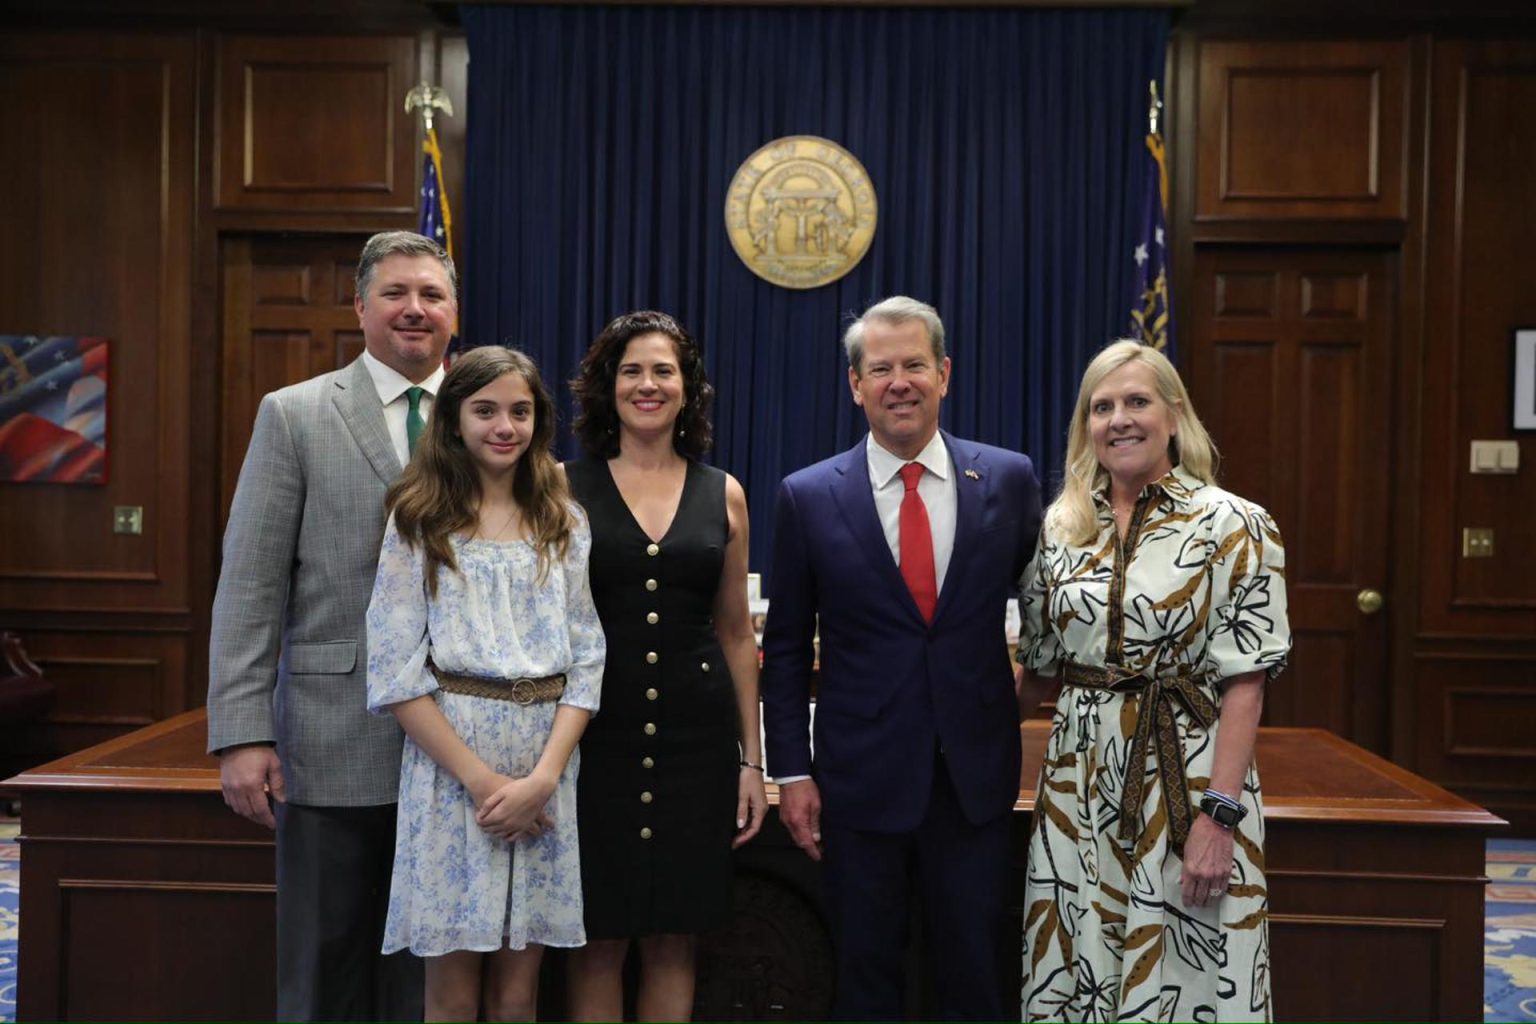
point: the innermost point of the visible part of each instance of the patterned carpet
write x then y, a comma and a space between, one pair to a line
1509, 972
10, 915
1509, 945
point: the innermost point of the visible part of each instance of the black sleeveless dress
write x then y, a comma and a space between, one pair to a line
659, 761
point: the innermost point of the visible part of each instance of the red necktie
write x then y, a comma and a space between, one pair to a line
917, 544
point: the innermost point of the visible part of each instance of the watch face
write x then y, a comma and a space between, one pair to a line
1221, 814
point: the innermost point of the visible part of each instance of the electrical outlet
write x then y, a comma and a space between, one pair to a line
1477, 542
128, 519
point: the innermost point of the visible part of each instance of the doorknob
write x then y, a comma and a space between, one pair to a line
1369, 601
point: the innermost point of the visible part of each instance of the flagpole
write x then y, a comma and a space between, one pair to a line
436, 218
435, 213
1155, 142
1151, 310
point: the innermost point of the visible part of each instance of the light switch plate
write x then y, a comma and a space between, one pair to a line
1495, 457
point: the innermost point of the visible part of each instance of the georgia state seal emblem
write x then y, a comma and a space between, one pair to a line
801, 212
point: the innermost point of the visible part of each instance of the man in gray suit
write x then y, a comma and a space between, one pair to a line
287, 712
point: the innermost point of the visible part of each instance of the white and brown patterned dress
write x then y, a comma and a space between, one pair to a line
1143, 631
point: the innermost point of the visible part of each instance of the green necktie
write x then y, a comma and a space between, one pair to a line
414, 422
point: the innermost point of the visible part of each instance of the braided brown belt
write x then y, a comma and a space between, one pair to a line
1158, 696
522, 690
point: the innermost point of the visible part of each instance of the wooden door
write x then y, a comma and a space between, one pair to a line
288, 316
1289, 368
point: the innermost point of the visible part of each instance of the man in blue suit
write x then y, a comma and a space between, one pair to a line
906, 548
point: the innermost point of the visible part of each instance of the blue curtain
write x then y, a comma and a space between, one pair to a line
1005, 147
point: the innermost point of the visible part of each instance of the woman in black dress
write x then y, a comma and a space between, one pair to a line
671, 767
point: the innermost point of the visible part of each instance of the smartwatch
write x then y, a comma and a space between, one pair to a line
1222, 813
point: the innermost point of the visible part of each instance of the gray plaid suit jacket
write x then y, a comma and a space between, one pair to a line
288, 659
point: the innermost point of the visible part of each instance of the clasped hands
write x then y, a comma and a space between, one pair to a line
513, 808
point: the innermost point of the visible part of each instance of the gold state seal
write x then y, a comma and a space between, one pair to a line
801, 212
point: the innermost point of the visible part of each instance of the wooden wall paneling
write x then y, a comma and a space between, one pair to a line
104, 197
207, 371
1181, 134
1481, 223
110, 682
1510, 796
1302, 129
1407, 403
1473, 671
453, 133
239, 398
1473, 712
1289, 355
288, 315
316, 124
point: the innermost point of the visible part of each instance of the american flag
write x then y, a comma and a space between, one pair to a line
1151, 311
436, 218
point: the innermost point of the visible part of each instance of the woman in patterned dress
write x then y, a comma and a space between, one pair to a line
484, 642
1156, 601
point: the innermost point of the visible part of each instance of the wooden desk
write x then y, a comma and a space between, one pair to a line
144, 897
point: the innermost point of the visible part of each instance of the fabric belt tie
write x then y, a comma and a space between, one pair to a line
523, 690
1155, 715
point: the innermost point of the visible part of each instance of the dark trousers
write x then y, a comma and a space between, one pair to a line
333, 871
958, 871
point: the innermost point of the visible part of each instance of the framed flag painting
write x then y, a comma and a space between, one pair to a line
53, 409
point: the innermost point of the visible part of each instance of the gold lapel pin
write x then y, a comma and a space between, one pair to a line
973, 474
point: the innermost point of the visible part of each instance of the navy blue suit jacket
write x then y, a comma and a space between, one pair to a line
892, 687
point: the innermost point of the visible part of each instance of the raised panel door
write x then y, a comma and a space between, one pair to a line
288, 315
1290, 371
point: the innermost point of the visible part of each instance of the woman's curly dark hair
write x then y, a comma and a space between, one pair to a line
597, 421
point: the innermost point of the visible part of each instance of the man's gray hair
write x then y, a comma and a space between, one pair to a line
898, 309
400, 243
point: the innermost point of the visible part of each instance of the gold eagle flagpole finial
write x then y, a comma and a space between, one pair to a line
428, 97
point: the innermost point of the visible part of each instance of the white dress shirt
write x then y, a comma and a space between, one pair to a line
936, 487
392, 388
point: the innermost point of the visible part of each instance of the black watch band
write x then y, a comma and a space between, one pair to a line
1223, 814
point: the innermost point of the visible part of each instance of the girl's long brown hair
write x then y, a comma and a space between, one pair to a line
437, 494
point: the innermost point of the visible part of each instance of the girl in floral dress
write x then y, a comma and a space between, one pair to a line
484, 642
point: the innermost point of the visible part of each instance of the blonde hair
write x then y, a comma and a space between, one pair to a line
437, 494
1072, 514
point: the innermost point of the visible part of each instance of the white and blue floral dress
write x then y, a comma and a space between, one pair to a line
455, 886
